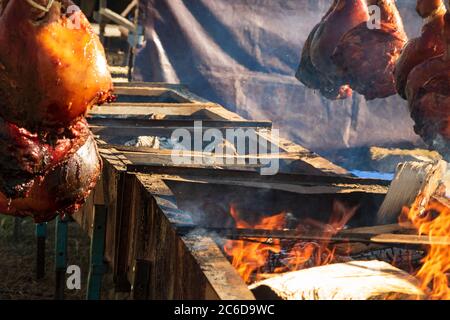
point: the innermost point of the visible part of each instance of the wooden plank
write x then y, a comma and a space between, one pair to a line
139, 84
159, 104
287, 163
411, 180
388, 238
388, 228
114, 187
309, 157
129, 131
150, 95
153, 110
178, 88
310, 189
189, 267
117, 18
237, 175
178, 123
355, 280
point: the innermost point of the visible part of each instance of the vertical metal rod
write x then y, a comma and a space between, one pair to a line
41, 235
97, 266
60, 256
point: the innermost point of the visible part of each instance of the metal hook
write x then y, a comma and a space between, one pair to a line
40, 7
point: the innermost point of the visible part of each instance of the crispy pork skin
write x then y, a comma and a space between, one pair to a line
52, 65
430, 43
62, 190
367, 56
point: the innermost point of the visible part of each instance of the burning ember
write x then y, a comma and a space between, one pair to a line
252, 257
434, 221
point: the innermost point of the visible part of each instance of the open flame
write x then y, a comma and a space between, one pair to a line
250, 257
434, 221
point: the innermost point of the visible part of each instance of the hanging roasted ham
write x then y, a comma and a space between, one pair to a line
317, 70
367, 54
52, 70
52, 65
428, 94
429, 44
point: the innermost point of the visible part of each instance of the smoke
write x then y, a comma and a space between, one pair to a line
441, 145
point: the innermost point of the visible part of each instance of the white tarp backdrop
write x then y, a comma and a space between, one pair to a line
243, 54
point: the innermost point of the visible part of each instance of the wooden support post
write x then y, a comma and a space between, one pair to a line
41, 235
101, 21
97, 265
17, 231
60, 256
133, 42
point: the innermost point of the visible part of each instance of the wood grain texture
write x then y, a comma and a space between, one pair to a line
411, 180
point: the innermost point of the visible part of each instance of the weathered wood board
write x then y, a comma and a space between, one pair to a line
411, 180
356, 280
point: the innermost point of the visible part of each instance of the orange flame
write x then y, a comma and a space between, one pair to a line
433, 221
249, 258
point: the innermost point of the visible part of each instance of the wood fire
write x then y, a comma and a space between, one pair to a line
251, 257
278, 267
433, 221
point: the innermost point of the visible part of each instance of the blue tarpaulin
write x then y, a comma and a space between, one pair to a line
243, 54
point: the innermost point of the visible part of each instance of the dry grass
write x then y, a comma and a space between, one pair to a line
17, 261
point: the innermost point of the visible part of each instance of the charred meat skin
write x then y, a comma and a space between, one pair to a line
25, 155
52, 66
367, 56
430, 43
317, 70
62, 190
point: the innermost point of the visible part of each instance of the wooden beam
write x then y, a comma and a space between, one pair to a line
389, 238
129, 8
411, 180
117, 18
355, 280
177, 123
379, 186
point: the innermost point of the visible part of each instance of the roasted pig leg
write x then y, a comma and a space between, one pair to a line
428, 94
313, 78
367, 56
316, 69
25, 155
52, 64
430, 43
62, 190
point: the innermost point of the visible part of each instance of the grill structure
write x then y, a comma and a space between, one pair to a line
149, 200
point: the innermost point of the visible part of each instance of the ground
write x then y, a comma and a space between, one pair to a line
18, 261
